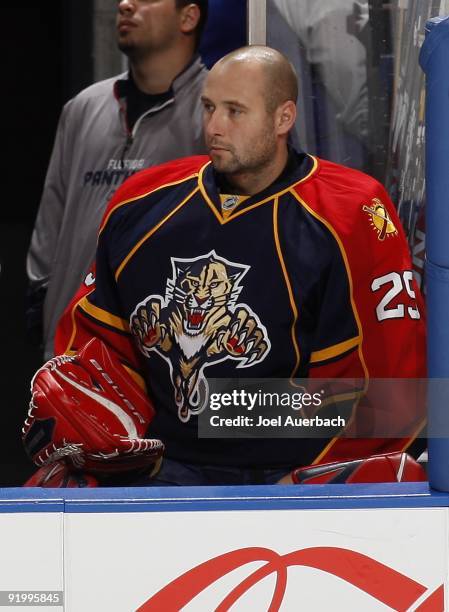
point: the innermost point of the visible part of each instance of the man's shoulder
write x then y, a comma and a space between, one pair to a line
192, 77
100, 90
331, 187
163, 175
345, 199
146, 181
338, 176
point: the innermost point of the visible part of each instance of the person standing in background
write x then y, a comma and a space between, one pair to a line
106, 133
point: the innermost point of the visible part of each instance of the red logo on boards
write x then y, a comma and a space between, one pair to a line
374, 578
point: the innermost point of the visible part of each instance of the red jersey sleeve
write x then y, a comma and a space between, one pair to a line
387, 306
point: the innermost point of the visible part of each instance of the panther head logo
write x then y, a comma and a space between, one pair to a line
199, 323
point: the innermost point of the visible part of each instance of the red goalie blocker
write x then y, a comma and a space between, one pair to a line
392, 467
89, 412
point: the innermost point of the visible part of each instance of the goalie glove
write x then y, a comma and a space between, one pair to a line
391, 467
90, 412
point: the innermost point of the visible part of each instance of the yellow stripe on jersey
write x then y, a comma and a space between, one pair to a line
151, 232
104, 316
348, 273
335, 350
289, 287
143, 195
68, 350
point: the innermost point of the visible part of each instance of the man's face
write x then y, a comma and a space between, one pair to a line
147, 25
240, 133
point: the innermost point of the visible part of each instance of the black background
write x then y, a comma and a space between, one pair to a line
47, 57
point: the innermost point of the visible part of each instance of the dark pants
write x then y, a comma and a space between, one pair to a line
174, 473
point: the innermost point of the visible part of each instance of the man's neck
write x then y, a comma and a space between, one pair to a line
254, 181
154, 74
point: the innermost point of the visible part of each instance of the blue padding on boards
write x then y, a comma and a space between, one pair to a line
438, 469
434, 59
31, 500
269, 497
438, 320
194, 499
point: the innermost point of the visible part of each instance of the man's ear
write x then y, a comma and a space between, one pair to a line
285, 117
190, 16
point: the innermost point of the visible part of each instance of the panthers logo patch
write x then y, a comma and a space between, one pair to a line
380, 219
199, 323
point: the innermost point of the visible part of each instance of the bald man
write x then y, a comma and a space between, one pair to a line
257, 262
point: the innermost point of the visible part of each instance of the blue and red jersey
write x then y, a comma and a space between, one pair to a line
309, 279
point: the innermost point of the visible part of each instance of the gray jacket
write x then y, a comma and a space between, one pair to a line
92, 155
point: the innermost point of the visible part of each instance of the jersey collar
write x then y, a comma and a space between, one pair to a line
211, 183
